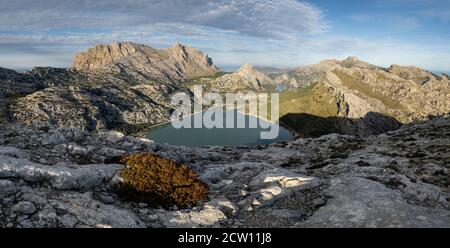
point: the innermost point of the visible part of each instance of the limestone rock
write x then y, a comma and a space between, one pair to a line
397, 179
177, 63
91, 95
24, 207
7, 188
371, 99
359, 202
246, 78
60, 177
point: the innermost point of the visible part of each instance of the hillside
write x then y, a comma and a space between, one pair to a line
122, 86
175, 64
357, 88
57, 177
127, 87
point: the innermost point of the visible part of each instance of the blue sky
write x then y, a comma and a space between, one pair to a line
283, 33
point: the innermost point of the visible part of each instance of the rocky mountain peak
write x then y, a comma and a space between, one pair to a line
249, 72
175, 64
181, 47
187, 54
102, 55
247, 67
246, 78
353, 61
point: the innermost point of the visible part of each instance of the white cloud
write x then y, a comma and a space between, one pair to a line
25, 51
276, 33
30, 27
264, 18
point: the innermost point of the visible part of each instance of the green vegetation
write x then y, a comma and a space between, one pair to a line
308, 111
159, 181
315, 100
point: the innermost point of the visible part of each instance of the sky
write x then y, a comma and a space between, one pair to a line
282, 33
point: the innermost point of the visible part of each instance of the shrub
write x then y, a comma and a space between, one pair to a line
155, 180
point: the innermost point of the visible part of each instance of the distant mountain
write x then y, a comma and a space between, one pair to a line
174, 64
354, 88
246, 78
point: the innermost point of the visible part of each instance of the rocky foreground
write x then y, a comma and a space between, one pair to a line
57, 177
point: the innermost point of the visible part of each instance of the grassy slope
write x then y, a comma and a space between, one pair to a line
315, 100
306, 110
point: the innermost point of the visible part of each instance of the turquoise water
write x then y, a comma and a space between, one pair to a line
196, 137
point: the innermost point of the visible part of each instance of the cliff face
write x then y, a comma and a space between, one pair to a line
174, 64
379, 90
103, 55
247, 77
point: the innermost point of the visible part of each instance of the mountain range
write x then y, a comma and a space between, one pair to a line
118, 86
373, 147
127, 87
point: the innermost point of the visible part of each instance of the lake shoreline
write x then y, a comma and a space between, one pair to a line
247, 135
144, 133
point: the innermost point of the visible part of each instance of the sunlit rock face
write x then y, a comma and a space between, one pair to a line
245, 78
177, 63
126, 87
359, 89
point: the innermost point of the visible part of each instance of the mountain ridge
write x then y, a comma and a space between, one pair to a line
59, 177
359, 88
177, 63
247, 77
59, 132
118, 86
104, 76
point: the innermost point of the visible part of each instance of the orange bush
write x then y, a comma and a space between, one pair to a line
159, 181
